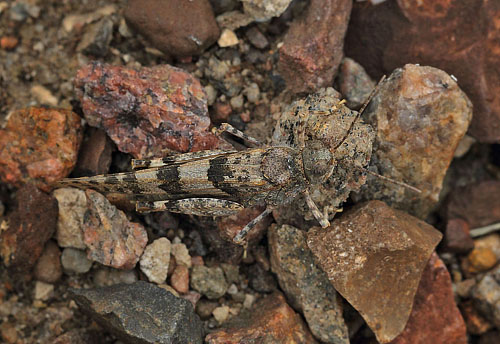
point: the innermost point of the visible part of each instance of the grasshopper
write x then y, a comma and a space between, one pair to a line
319, 147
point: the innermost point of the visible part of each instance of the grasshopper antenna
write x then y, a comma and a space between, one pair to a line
387, 179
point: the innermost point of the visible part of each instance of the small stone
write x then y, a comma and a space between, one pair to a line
354, 83
227, 39
416, 136
204, 308
306, 286
263, 10
221, 112
237, 102
95, 155
221, 314
369, 238
72, 207
39, 145
181, 254
256, 38
155, 259
211, 94
8, 42
486, 296
77, 21
27, 228
180, 279
481, 259
48, 267
209, 282
476, 323
179, 28
261, 280
75, 261
491, 242
43, 96
249, 301
232, 272
76, 336
148, 111
463, 288
105, 277
457, 238
192, 297
9, 332
43, 291
252, 92
270, 321
96, 38
434, 314
111, 238
313, 47
141, 313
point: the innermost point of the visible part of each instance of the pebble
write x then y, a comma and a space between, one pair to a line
256, 38
105, 277
96, 38
416, 137
237, 102
209, 281
263, 10
313, 47
8, 42
481, 259
227, 39
180, 279
137, 123
9, 332
43, 95
181, 254
434, 314
211, 94
252, 92
221, 113
179, 28
43, 291
221, 314
456, 237
155, 259
491, 241
95, 154
111, 238
39, 146
476, 323
354, 83
204, 308
374, 237
232, 272
261, 280
249, 301
270, 321
141, 313
48, 267
72, 21
306, 286
75, 261
27, 228
486, 296
72, 204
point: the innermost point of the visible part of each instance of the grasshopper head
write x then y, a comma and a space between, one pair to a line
318, 162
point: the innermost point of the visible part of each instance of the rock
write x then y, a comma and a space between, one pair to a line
457, 238
306, 286
96, 39
435, 314
180, 279
111, 238
227, 39
313, 47
491, 242
155, 259
354, 83
181, 254
146, 112
480, 259
43, 96
221, 112
95, 155
27, 228
233, 20
72, 207
77, 21
270, 321
48, 267
221, 314
252, 92
261, 280
105, 277
232, 272
263, 10
371, 240
421, 115
43, 291
209, 282
76, 336
385, 36
476, 323
141, 313
204, 308
179, 28
486, 296
478, 204
256, 38
39, 145
75, 261
8, 42
229, 226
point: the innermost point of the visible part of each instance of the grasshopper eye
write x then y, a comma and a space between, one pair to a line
317, 162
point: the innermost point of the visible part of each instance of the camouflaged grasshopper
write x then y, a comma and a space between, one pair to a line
319, 151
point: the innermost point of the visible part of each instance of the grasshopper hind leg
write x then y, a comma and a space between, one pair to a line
191, 206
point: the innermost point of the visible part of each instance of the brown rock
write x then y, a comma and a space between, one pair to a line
8, 42
435, 314
48, 267
180, 279
221, 112
478, 204
147, 112
476, 323
420, 115
179, 28
257, 38
271, 321
481, 259
460, 37
95, 155
39, 145
26, 230
486, 296
457, 238
111, 238
354, 83
374, 256
229, 226
313, 46
76, 336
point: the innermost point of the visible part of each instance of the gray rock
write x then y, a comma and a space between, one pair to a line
486, 296
307, 287
209, 281
75, 261
141, 313
96, 39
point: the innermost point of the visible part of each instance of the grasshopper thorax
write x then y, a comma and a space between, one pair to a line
280, 165
318, 162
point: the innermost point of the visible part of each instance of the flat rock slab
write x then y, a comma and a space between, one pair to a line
374, 256
141, 313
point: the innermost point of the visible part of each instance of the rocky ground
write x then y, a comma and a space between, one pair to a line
87, 86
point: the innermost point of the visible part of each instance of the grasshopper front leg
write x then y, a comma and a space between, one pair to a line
192, 206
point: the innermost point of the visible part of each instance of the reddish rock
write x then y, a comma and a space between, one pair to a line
147, 112
180, 279
229, 226
271, 321
26, 229
95, 155
374, 256
221, 112
460, 37
478, 204
111, 238
435, 314
457, 238
39, 145
179, 28
8, 42
313, 46
420, 115
355, 84
476, 323
48, 267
